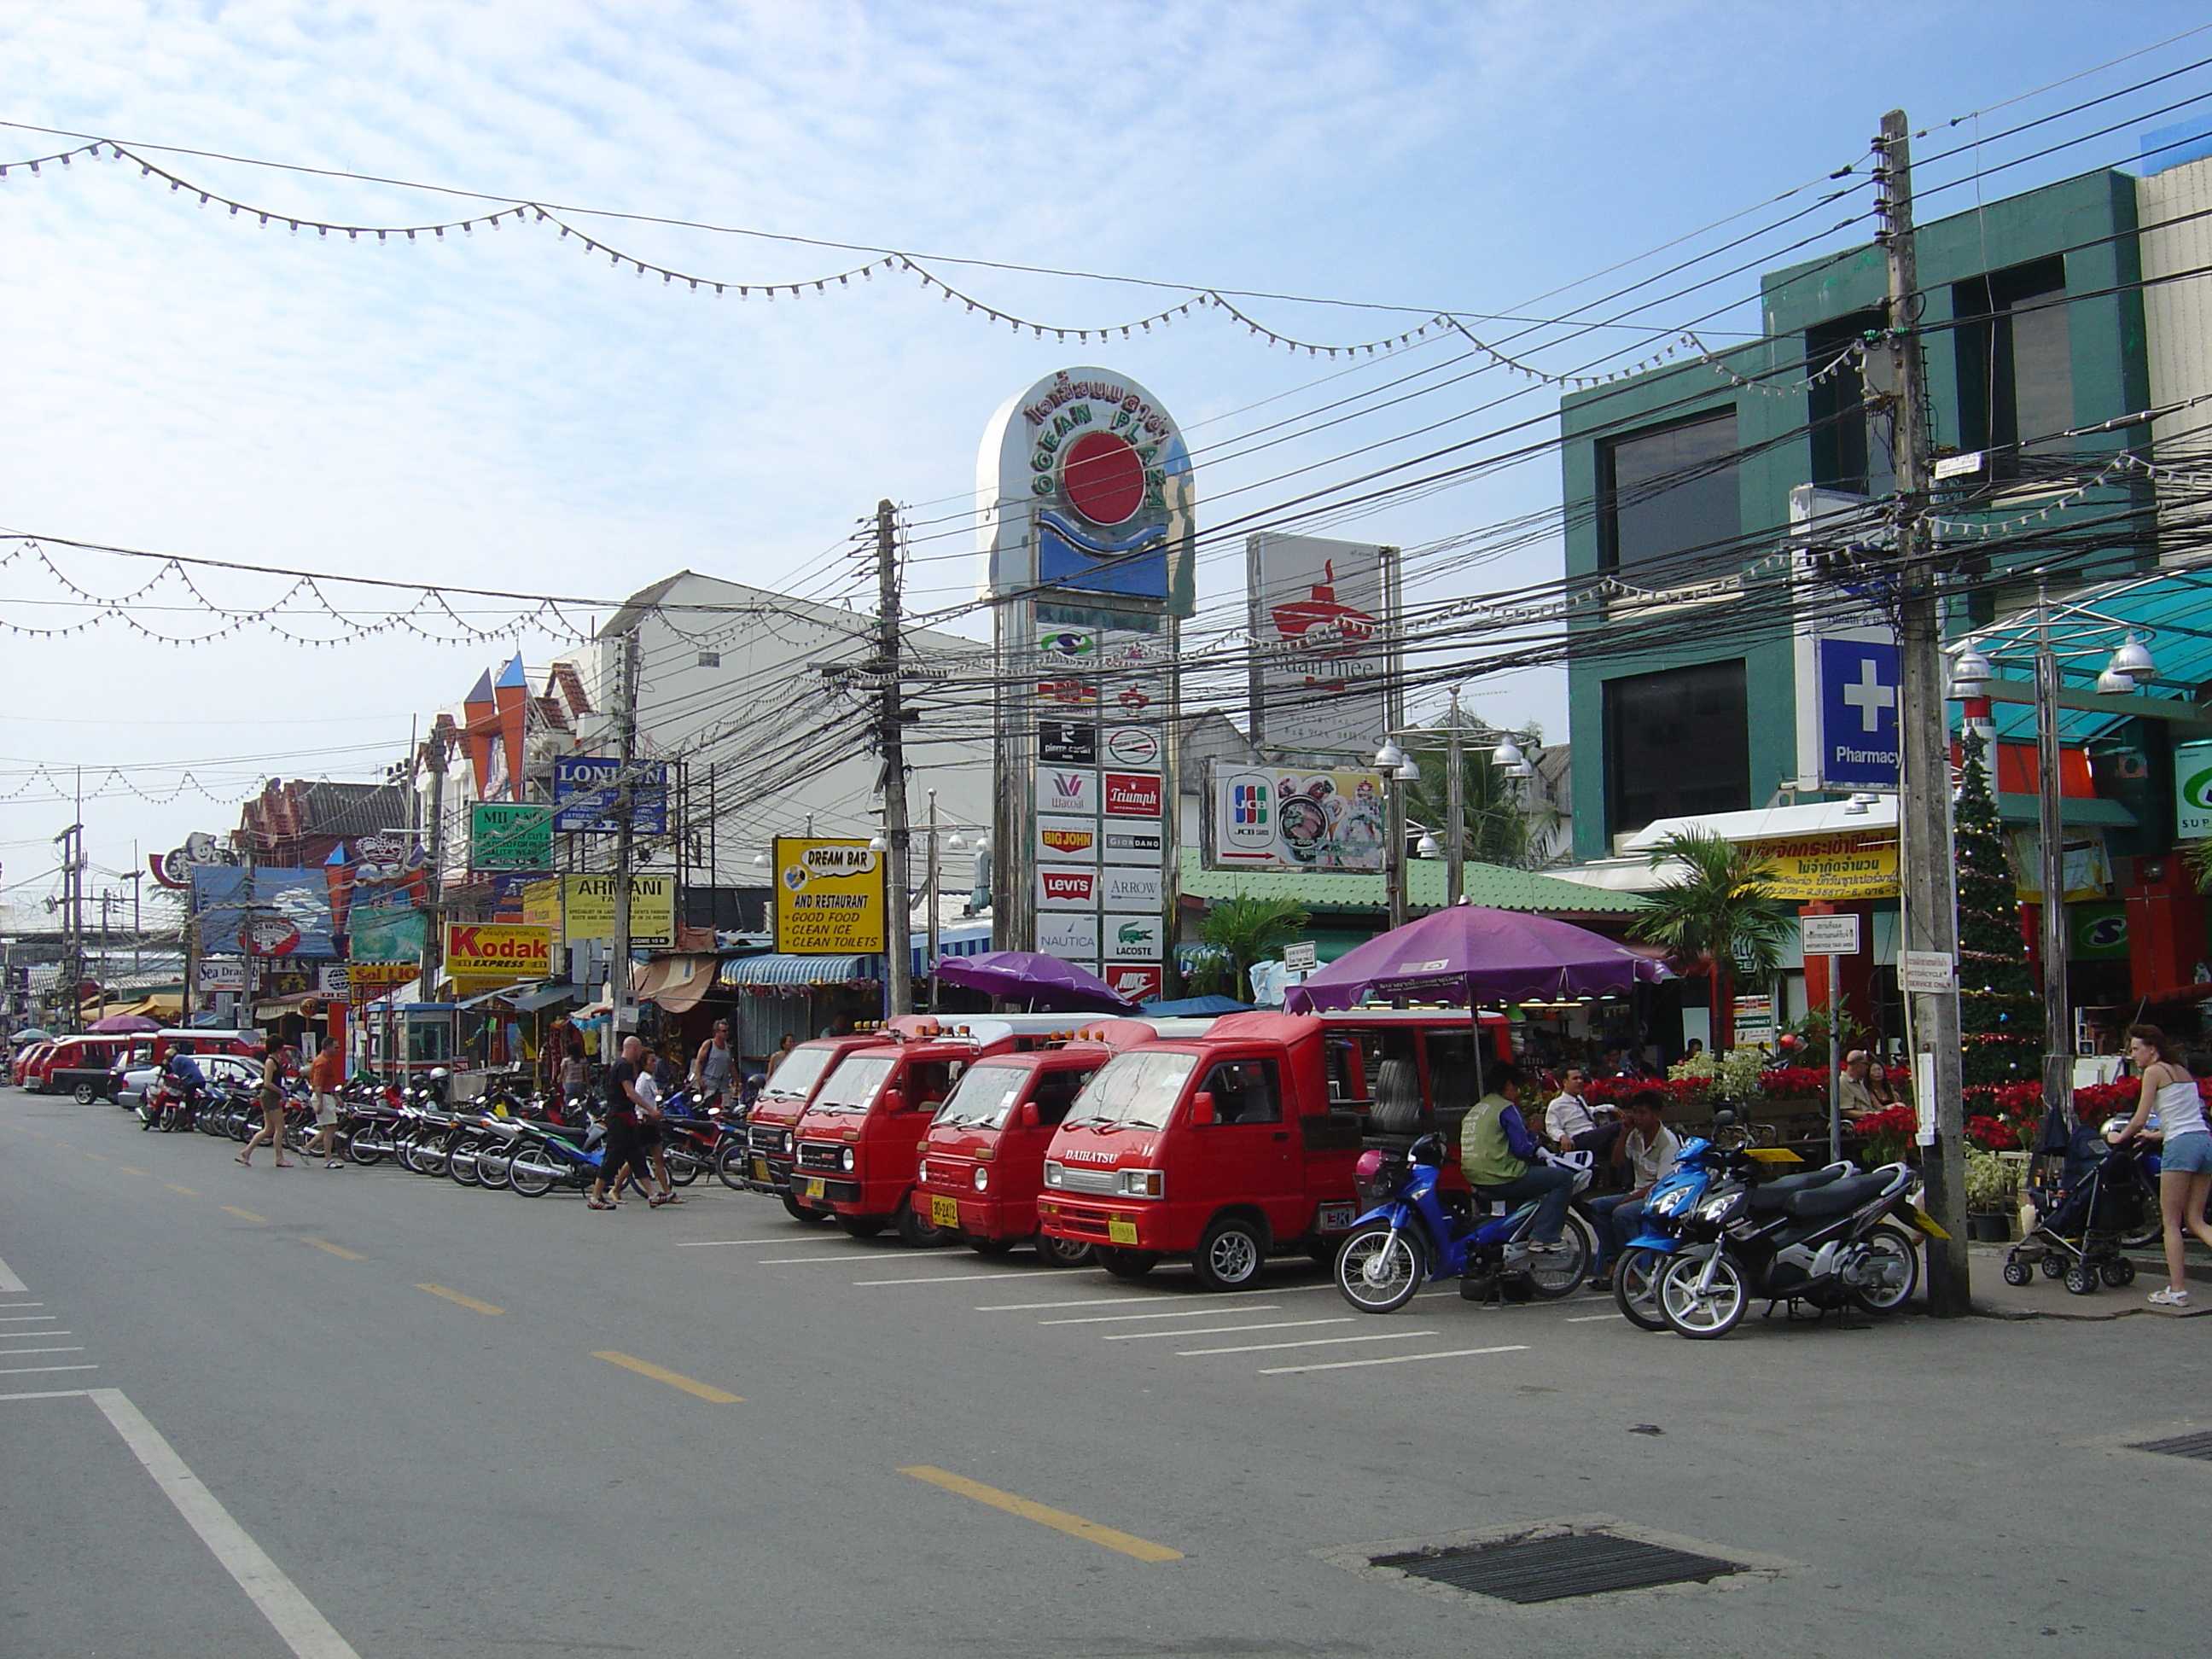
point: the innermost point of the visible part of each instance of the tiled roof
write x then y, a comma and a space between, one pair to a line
1493, 885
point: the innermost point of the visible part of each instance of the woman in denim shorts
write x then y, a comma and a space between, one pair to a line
2185, 1160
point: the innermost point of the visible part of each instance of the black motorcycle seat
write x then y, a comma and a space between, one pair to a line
1768, 1199
1837, 1198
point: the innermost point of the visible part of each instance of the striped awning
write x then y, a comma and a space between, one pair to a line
799, 972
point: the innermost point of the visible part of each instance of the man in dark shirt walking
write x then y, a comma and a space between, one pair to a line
623, 1150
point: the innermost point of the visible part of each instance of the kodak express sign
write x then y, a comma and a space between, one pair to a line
497, 951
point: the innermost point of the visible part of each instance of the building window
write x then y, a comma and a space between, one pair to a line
1677, 744
1670, 494
2016, 363
1851, 440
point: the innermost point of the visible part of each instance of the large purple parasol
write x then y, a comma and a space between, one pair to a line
1470, 954
118, 1024
1043, 982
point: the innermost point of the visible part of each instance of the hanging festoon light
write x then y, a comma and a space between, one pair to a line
1507, 753
1428, 846
1389, 758
2133, 659
1408, 771
1970, 672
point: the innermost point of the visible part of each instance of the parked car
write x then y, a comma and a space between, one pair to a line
982, 1161
82, 1065
27, 1062
128, 1087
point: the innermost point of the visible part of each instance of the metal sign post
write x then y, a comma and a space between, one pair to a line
1834, 938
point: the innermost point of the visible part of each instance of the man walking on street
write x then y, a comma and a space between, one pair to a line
326, 1077
714, 1071
623, 1152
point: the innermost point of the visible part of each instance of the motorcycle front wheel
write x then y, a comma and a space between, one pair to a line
1636, 1287
1378, 1272
1892, 1253
533, 1173
1699, 1310
1551, 1277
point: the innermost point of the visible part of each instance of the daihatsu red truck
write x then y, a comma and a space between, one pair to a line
1239, 1144
770, 1131
982, 1160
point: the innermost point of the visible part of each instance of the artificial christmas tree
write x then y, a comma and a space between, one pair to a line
2000, 1010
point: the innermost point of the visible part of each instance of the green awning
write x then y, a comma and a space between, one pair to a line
1496, 886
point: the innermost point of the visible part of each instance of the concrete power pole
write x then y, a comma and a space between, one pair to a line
1454, 808
898, 969
433, 938
623, 1017
1928, 881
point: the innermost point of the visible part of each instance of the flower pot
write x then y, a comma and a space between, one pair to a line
1989, 1227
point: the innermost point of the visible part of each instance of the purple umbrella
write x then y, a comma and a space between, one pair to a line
1470, 954
116, 1024
1043, 982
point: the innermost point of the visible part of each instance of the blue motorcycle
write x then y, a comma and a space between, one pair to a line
1408, 1237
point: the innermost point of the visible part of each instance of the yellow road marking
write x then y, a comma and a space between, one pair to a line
351, 1256
465, 1300
173, 1187
243, 1215
674, 1379
95, 1158
127, 1170
64, 1146
1143, 1549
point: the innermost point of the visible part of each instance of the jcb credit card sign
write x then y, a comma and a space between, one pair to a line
828, 898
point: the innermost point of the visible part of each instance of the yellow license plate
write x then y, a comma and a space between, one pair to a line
817, 1188
1119, 1231
943, 1211
760, 1168
1927, 1222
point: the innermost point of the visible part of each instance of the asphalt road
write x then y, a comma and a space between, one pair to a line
708, 1429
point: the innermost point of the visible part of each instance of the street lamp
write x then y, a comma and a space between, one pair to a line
1427, 846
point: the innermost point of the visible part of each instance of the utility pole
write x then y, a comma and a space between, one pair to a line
1929, 887
433, 755
2058, 1047
1454, 808
898, 967
929, 888
623, 1017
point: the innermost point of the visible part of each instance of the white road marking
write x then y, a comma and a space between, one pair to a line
24, 1318
1313, 1342
26, 1370
1184, 1313
1135, 1295
1223, 1330
947, 1279
848, 1258
12, 1285
704, 1244
294, 1618
1591, 1319
1392, 1359
52, 1393
11, 1353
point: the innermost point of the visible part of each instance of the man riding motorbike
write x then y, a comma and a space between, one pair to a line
1502, 1160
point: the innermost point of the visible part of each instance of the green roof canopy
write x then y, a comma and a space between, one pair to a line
1494, 884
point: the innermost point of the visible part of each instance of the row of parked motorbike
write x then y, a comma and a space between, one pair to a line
531, 1145
1716, 1238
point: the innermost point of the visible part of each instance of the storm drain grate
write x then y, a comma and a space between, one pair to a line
2198, 1446
1552, 1569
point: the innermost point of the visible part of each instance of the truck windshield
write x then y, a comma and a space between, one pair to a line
1134, 1090
801, 1070
853, 1084
984, 1096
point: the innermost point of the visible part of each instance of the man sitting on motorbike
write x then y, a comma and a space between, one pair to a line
1501, 1159
181, 1072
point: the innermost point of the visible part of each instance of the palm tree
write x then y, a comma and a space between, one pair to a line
1716, 916
1497, 830
1240, 932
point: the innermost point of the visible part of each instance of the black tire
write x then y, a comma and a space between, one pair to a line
2017, 1273
1065, 1252
1900, 1253
2118, 1274
1232, 1254
684, 1166
993, 1250
1703, 1316
799, 1212
2054, 1267
1515, 1288
363, 1149
915, 1231
1127, 1264
85, 1094
1636, 1287
1378, 1275
496, 1165
862, 1226
2082, 1280
731, 1167
1551, 1277
461, 1163
534, 1173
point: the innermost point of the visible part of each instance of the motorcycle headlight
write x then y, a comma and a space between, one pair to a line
983, 1178
847, 1159
1717, 1209
1668, 1203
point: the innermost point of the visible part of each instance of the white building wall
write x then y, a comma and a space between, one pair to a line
2177, 315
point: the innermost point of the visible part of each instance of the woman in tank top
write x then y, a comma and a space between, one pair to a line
2185, 1158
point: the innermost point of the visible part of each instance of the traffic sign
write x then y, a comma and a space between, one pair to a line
1830, 936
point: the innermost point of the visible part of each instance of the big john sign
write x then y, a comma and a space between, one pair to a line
1085, 498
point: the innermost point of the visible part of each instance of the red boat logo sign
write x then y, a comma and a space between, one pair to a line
270, 936
1319, 626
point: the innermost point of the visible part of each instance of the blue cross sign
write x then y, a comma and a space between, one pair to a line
1858, 714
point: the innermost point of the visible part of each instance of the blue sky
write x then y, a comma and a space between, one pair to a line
502, 411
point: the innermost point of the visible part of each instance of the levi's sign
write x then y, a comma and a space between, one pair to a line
1066, 890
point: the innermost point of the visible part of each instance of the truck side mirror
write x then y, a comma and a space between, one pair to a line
1201, 1107
1029, 1118
894, 1101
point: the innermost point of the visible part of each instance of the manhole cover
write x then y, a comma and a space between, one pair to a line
2198, 1446
1551, 1569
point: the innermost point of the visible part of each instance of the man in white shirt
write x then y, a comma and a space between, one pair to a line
1648, 1151
1572, 1124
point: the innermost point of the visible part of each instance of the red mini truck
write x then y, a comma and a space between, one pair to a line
982, 1161
1239, 1144
771, 1131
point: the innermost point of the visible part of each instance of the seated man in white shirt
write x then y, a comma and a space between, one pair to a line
1648, 1151
1572, 1125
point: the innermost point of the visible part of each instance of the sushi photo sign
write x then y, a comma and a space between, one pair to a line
1320, 621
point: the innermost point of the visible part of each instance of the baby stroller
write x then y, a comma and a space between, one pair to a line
2081, 1223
